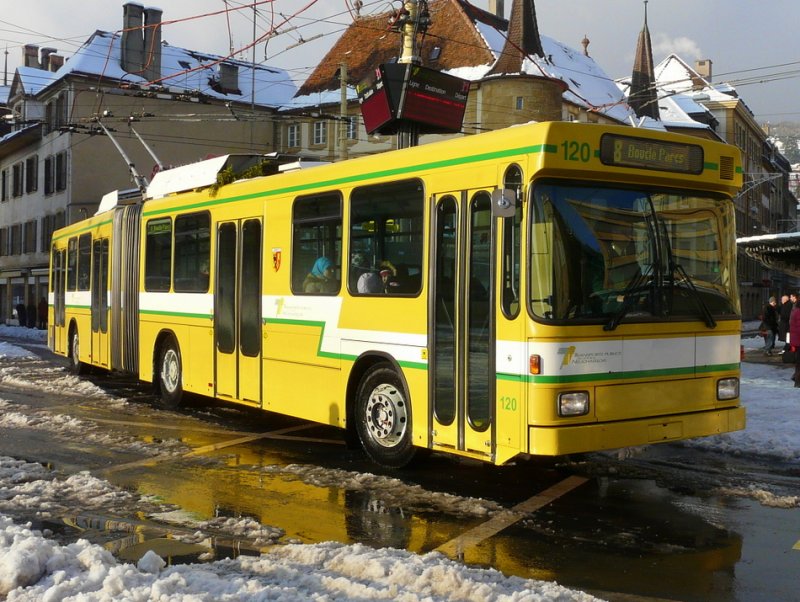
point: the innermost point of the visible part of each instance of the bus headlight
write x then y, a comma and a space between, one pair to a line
727, 388
575, 403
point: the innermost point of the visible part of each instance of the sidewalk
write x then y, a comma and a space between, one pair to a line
756, 356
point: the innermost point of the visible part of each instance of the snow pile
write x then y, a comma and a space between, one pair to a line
18, 333
33, 568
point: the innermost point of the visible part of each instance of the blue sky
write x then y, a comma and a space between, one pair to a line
751, 44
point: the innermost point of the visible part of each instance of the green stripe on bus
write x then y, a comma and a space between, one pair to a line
330, 355
360, 177
173, 314
615, 376
83, 229
634, 374
711, 166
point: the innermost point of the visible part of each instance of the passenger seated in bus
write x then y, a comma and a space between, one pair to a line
321, 279
369, 283
358, 268
388, 274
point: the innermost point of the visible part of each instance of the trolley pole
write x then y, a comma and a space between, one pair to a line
408, 134
344, 122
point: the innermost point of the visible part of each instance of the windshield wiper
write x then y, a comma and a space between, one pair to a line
698, 298
627, 296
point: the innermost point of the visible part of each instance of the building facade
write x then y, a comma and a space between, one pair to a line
164, 108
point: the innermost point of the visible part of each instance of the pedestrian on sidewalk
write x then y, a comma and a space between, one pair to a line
784, 312
769, 325
794, 339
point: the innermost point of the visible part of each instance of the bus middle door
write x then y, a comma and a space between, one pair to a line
462, 323
237, 311
99, 307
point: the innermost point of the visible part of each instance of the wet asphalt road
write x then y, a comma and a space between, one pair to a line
658, 525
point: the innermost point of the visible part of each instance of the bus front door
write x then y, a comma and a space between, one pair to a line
237, 311
462, 324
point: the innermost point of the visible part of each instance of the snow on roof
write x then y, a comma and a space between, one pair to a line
677, 110
588, 85
181, 70
34, 80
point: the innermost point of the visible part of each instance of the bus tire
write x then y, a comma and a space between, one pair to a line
76, 366
170, 374
383, 417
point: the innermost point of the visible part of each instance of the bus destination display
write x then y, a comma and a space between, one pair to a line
403, 94
626, 151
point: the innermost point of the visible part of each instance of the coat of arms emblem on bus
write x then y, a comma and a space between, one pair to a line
276, 259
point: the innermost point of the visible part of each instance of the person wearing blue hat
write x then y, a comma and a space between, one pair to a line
322, 278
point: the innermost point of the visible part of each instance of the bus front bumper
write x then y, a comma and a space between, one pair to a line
561, 440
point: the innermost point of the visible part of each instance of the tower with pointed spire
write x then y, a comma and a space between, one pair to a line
528, 97
642, 96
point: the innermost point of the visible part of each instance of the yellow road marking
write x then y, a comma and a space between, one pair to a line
796, 546
502, 520
279, 434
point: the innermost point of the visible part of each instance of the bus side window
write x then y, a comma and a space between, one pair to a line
84, 261
511, 246
158, 255
386, 230
192, 252
72, 264
316, 234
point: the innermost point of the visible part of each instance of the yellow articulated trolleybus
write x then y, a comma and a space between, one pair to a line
547, 289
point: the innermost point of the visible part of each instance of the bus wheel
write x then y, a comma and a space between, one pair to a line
170, 374
383, 418
76, 366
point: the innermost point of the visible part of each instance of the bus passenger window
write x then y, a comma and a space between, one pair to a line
158, 255
317, 244
511, 246
72, 264
386, 236
192, 248
84, 261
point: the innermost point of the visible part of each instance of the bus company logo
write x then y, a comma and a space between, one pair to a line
276, 259
572, 357
567, 352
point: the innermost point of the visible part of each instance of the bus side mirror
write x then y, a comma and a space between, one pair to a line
504, 202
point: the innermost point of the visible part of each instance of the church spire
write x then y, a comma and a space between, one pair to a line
642, 96
523, 39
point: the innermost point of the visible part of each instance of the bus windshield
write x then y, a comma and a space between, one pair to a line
609, 255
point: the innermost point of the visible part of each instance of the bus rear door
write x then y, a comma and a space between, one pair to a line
237, 311
462, 323
59, 263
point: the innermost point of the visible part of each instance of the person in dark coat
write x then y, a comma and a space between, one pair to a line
22, 314
784, 311
770, 325
42, 312
794, 339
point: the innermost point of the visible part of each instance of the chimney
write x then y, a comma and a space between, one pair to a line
496, 7
132, 44
703, 68
46, 52
56, 62
229, 78
30, 55
152, 44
